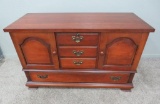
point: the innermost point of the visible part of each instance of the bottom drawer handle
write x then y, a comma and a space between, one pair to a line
115, 78
42, 76
77, 62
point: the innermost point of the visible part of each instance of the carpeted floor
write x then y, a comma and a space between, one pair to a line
146, 91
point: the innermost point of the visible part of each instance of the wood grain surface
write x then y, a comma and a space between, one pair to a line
60, 22
88, 63
88, 51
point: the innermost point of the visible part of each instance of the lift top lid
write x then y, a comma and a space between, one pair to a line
79, 22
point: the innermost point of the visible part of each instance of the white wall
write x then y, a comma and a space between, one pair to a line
148, 10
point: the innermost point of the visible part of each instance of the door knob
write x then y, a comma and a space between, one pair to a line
102, 53
54, 52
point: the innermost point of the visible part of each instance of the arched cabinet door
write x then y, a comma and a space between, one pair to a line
36, 50
120, 51
117, 52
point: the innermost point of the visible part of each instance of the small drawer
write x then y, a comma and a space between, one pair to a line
77, 51
79, 77
84, 39
73, 63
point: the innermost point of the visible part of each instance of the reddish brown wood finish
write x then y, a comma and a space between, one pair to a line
67, 51
79, 77
79, 71
141, 46
35, 50
84, 22
120, 50
83, 85
88, 63
89, 39
87, 85
112, 44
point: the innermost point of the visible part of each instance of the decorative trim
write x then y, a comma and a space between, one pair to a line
77, 71
82, 85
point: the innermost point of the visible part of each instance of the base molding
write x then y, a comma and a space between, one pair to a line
81, 85
1, 59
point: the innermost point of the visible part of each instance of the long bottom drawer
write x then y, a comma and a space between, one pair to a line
80, 77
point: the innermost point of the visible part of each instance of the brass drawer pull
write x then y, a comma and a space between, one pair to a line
77, 62
115, 78
42, 76
77, 38
78, 53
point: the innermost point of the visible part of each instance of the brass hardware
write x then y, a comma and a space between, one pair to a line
78, 62
78, 53
42, 76
77, 38
115, 78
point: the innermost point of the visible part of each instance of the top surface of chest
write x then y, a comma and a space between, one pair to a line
73, 22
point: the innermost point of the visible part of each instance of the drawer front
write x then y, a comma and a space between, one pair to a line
77, 51
74, 63
80, 77
77, 39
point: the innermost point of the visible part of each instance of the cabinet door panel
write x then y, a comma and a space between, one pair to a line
118, 50
35, 50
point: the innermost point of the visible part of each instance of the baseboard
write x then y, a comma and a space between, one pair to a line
1, 59
151, 55
10, 56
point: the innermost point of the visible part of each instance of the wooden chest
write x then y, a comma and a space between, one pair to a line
100, 50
